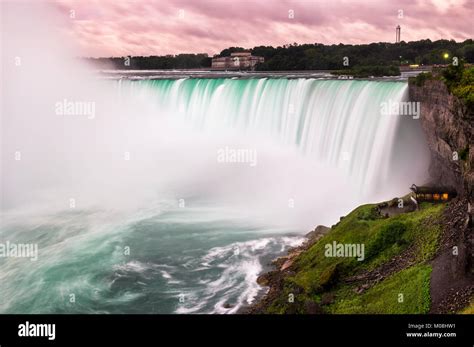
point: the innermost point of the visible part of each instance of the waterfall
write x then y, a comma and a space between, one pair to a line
140, 173
338, 123
323, 147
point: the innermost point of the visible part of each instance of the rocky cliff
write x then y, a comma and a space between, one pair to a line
424, 255
448, 126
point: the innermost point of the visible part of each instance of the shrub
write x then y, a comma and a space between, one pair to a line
452, 74
386, 237
421, 78
464, 88
369, 214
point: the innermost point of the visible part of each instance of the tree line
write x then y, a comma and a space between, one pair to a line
313, 56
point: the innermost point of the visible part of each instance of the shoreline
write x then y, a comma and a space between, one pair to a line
270, 279
451, 289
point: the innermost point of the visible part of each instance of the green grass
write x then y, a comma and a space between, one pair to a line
383, 238
412, 285
354, 228
469, 309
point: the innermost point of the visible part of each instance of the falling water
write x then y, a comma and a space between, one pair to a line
195, 233
131, 209
330, 121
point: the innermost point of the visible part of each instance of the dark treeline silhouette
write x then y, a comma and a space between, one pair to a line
331, 57
180, 61
313, 56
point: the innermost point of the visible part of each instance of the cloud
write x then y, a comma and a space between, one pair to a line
104, 28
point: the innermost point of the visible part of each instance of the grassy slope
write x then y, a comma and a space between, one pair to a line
469, 309
383, 238
407, 291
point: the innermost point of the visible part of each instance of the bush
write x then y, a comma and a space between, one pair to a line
422, 78
369, 214
386, 237
464, 88
453, 74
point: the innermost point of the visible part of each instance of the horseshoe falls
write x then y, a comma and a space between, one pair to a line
177, 193
330, 121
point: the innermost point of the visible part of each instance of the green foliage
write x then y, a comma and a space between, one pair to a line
421, 78
369, 214
228, 51
452, 75
469, 309
405, 292
329, 276
468, 52
460, 82
365, 59
463, 87
383, 238
330, 57
180, 61
282, 305
388, 235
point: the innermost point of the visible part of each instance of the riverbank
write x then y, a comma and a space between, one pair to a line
404, 269
418, 261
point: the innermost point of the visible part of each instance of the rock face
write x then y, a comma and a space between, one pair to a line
284, 266
452, 277
317, 233
448, 127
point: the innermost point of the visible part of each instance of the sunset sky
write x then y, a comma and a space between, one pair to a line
139, 27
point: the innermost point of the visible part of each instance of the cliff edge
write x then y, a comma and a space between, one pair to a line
449, 128
417, 261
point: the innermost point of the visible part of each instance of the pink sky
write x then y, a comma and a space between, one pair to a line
139, 27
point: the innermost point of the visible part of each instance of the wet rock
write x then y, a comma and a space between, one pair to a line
319, 230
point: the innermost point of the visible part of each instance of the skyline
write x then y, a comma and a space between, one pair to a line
106, 28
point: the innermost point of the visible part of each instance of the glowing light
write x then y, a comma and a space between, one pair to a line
446, 55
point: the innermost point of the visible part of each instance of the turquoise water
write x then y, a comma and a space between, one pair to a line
322, 118
165, 263
197, 232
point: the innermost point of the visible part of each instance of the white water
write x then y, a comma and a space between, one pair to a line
333, 122
322, 148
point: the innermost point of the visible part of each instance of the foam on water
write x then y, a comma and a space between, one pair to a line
322, 149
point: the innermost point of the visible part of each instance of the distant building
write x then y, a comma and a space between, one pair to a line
237, 61
397, 34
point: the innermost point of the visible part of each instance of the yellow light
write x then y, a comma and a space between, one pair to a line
446, 55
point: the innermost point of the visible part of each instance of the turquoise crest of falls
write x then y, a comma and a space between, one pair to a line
144, 177
331, 121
